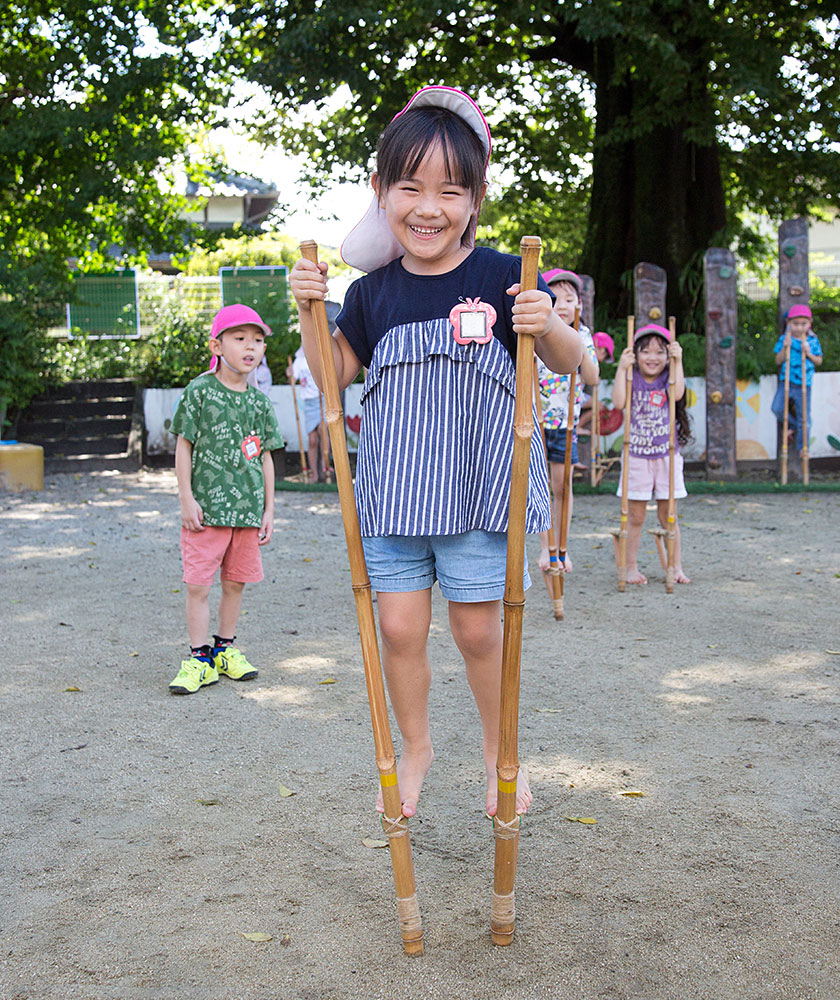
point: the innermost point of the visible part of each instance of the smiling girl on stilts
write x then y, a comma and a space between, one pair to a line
435, 323
648, 464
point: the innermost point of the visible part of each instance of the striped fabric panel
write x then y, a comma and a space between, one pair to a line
436, 439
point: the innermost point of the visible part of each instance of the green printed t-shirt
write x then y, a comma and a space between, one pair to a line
219, 422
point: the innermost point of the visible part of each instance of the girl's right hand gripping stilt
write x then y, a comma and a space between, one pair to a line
308, 281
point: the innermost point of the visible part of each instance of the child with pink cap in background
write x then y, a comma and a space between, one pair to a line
802, 341
556, 406
648, 468
435, 323
226, 431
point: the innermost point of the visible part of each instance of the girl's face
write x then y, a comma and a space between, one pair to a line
799, 326
652, 358
429, 213
566, 301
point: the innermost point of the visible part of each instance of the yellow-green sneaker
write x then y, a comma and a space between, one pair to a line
194, 673
230, 662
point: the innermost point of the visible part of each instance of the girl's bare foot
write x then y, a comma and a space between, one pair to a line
680, 577
524, 798
634, 576
411, 771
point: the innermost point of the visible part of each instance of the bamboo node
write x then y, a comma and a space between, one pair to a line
503, 909
506, 830
395, 827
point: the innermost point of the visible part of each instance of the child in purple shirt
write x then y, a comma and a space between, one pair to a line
648, 468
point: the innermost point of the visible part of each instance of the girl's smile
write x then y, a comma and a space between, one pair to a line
652, 359
429, 213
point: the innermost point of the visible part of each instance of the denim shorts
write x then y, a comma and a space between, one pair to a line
469, 567
312, 413
555, 444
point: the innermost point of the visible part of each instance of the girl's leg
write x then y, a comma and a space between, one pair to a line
404, 621
477, 631
544, 562
558, 478
662, 513
313, 449
198, 614
230, 605
635, 523
795, 418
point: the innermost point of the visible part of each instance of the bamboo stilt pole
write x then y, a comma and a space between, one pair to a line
595, 447
803, 418
325, 442
672, 426
565, 500
555, 575
506, 822
785, 427
394, 823
625, 462
303, 463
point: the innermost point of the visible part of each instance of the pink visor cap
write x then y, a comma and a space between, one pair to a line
660, 331
559, 274
604, 340
230, 316
799, 310
371, 244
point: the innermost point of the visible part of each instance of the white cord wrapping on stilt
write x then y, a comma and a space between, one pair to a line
506, 831
409, 913
502, 910
395, 827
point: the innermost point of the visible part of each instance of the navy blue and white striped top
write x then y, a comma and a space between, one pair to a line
436, 437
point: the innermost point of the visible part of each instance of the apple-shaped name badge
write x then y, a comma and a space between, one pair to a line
472, 321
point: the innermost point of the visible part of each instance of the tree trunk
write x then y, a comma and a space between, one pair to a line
657, 197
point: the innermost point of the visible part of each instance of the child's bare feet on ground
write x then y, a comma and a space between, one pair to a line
524, 798
680, 577
634, 576
411, 771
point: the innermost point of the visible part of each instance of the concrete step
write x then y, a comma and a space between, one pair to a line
61, 428
77, 406
90, 463
108, 388
86, 426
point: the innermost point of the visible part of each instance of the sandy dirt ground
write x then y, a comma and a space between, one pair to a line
143, 834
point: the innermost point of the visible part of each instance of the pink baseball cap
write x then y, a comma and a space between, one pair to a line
604, 340
227, 318
371, 244
236, 315
660, 331
799, 310
559, 274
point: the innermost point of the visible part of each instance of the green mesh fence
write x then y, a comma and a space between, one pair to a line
264, 288
105, 305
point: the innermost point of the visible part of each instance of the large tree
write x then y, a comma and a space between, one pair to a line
96, 103
625, 131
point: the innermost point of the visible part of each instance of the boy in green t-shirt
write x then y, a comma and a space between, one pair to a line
226, 431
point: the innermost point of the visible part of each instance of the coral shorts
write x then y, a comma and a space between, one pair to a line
648, 477
235, 550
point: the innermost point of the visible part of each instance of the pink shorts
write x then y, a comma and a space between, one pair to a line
648, 477
236, 550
